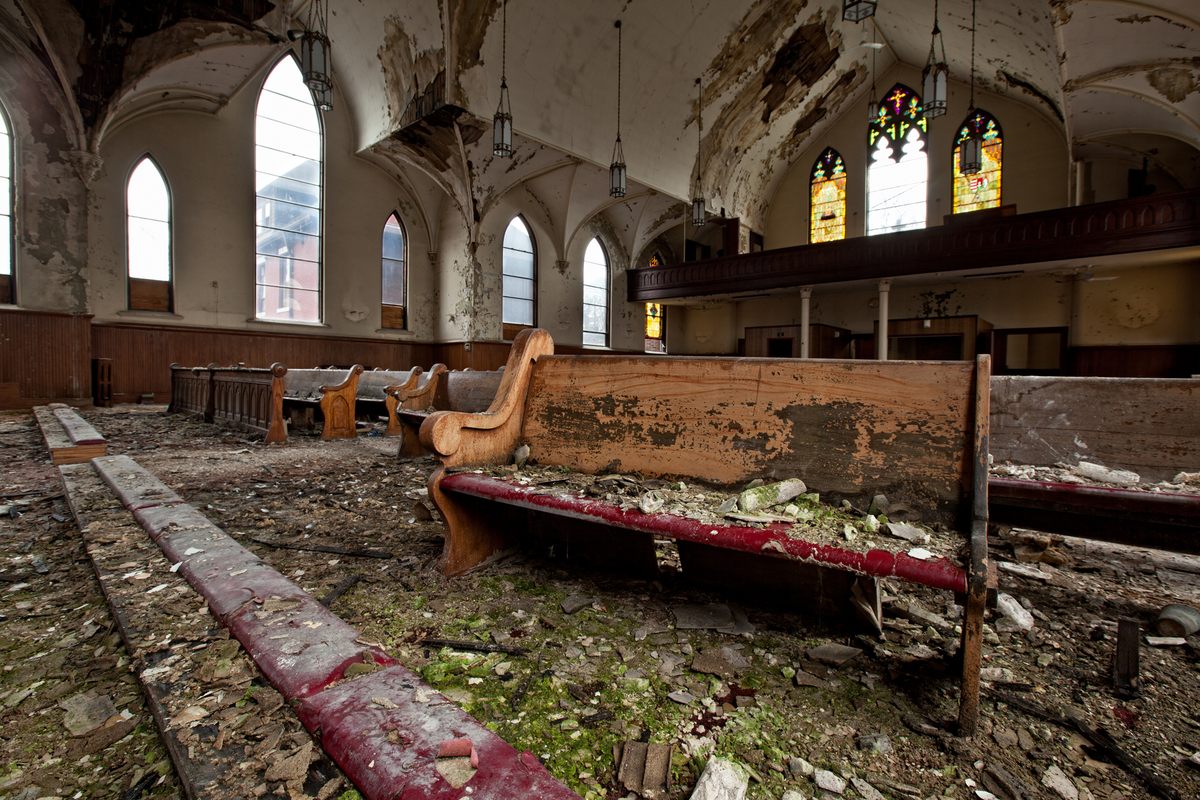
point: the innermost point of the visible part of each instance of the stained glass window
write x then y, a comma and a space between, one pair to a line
981, 190
595, 295
6, 204
287, 158
519, 279
899, 168
392, 273
655, 318
827, 187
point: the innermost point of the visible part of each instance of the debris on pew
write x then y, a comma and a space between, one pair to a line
1086, 473
759, 504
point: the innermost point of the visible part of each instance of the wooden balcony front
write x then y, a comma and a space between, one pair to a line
1118, 227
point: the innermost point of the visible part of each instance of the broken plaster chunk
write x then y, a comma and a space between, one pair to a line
865, 790
650, 502
721, 780
1166, 641
829, 781
1014, 612
800, 768
1057, 780
1103, 474
834, 654
770, 494
909, 533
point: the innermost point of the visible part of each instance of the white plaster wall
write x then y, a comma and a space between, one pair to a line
1141, 306
208, 161
1036, 161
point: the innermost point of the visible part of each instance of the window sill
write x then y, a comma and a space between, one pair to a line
281, 323
399, 333
136, 312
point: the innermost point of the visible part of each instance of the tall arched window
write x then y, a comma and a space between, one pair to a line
656, 340
899, 166
287, 156
827, 193
394, 278
981, 190
148, 237
6, 209
519, 267
595, 295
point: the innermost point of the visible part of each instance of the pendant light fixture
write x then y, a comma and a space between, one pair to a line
315, 64
502, 123
858, 10
873, 99
970, 154
936, 72
616, 170
698, 194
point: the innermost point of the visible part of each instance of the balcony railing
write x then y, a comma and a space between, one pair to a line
1080, 232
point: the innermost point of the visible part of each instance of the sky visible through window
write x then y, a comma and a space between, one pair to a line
393, 262
148, 210
6, 230
595, 295
518, 274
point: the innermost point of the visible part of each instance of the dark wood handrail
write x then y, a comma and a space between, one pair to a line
1121, 226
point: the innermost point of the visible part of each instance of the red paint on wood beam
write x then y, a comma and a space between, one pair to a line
940, 573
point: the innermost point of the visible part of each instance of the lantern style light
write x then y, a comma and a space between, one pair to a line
616, 170
970, 153
936, 72
858, 10
315, 59
502, 129
698, 215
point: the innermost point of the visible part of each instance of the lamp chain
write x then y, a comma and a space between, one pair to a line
618, 80
972, 104
503, 40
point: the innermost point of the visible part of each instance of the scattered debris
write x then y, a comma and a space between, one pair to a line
1102, 474
829, 781
721, 780
834, 654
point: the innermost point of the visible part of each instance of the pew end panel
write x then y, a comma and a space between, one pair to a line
417, 399
391, 401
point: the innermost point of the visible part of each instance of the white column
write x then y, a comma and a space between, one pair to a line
805, 298
881, 343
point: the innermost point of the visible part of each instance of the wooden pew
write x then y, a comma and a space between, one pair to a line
1148, 425
457, 390
375, 394
256, 399
915, 431
333, 391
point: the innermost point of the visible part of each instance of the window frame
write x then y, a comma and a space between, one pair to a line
954, 153
655, 256
509, 330
812, 177
386, 316
9, 294
583, 331
169, 305
877, 128
320, 208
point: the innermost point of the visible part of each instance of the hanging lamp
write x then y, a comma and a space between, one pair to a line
858, 10
502, 129
936, 72
315, 48
616, 170
698, 195
970, 153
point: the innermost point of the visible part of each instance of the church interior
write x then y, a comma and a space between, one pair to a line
758, 398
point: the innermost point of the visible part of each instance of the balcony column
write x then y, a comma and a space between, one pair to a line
881, 342
805, 298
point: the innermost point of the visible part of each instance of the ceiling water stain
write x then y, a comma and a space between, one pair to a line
1173, 83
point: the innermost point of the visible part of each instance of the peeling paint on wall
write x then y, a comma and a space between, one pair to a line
408, 73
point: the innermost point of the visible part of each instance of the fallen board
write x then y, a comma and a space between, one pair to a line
69, 438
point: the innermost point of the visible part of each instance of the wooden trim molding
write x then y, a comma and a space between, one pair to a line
1142, 224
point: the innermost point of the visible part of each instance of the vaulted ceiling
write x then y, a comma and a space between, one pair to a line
1120, 76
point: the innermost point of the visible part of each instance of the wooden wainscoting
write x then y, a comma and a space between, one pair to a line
45, 357
142, 354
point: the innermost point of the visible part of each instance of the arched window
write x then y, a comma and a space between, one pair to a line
6, 209
981, 190
595, 295
899, 168
148, 237
287, 157
393, 274
656, 340
827, 193
519, 287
